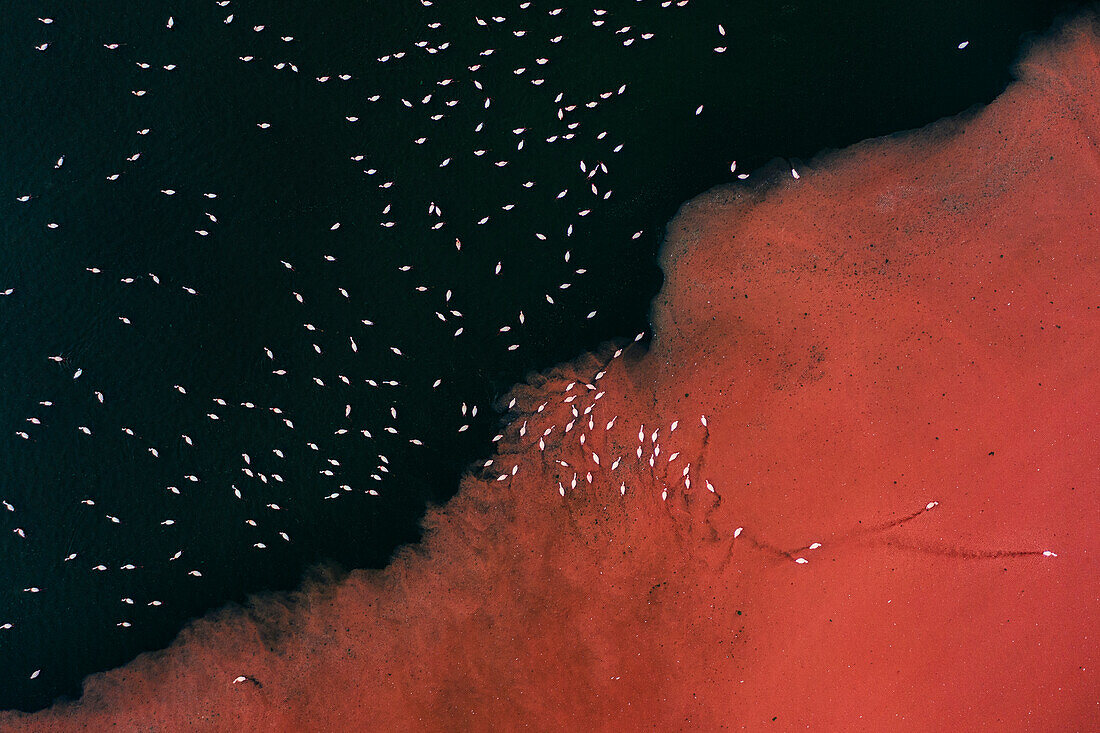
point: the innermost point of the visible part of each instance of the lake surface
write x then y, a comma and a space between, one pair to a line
438, 251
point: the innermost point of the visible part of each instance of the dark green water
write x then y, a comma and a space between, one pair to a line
795, 78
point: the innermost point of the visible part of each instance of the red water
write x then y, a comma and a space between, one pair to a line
912, 320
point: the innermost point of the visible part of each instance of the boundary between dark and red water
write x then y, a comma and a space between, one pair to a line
850, 485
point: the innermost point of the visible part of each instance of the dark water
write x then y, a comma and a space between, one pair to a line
795, 78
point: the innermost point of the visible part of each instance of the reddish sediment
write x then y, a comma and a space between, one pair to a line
895, 357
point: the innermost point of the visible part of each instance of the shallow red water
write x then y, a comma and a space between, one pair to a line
895, 357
